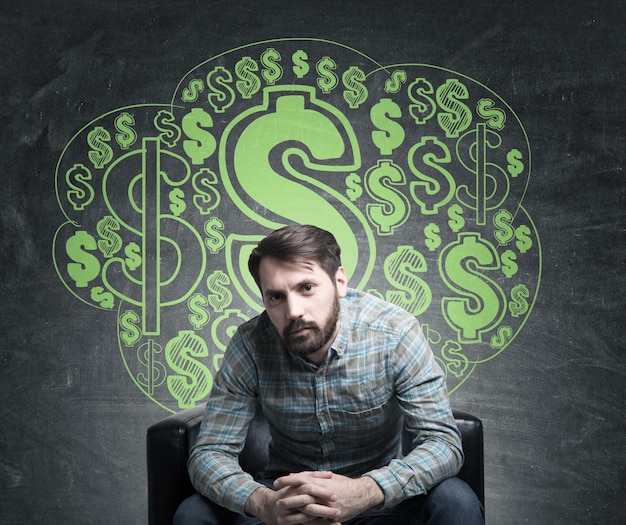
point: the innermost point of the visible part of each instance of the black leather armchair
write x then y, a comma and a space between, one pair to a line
170, 440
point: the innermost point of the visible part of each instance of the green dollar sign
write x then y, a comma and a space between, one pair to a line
86, 266
389, 134
249, 83
433, 240
110, 242
412, 293
515, 165
177, 202
155, 370
478, 303
215, 238
133, 256
104, 298
300, 65
126, 135
130, 332
327, 80
272, 72
519, 304
283, 122
423, 107
502, 338
435, 185
201, 143
393, 207
456, 220
193, 90
221, 96
509, 264
220, 296
199, 316
353, 183
206, 198
495, 117
165, 122
394, 83
491, 183
524, 242
101, 153
455, 361
192, 380
81, 193
456, 116
504, 231
355, 93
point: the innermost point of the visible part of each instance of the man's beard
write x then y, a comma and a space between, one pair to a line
316, 338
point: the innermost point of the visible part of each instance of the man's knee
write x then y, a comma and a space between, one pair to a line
195, 510
454, 502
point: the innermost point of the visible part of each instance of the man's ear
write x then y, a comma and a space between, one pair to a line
341, 282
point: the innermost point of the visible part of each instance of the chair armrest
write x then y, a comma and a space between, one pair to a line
168, 445
473, 470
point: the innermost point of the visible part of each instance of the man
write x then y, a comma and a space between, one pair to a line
338, 373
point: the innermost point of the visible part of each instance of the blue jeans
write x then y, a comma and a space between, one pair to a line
452, 502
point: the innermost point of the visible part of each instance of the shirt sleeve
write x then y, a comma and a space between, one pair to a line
437, 452
214, 460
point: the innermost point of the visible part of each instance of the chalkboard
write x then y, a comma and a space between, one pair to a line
543, 85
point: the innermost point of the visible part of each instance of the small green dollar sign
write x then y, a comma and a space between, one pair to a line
220, 296
355, 93
110, 242
86, 266
509, 264
133, 256
81, 193
165, 122
199, 316
272, 72
126, 135
215, 239
327, 80
515, 165
456, 220
524, 242
389, 134
101, 153
177, 203
130, 332
300, 64
504, 231
433, 240
353, 184
519, 305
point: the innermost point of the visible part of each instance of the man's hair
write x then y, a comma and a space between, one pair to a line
296, 243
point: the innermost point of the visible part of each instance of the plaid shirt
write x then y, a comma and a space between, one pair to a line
345, 415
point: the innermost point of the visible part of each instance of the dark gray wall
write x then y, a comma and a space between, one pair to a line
73, 424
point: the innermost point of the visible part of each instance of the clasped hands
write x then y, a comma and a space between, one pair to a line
314, 498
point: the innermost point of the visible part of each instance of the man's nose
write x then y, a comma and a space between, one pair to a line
295, 308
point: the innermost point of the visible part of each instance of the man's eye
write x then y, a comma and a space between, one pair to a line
307, 288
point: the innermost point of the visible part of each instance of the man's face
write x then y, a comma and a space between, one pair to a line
303, 304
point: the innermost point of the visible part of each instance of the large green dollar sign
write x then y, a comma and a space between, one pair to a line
271, 157
492, 185
479, 304
140, 176
192, 380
